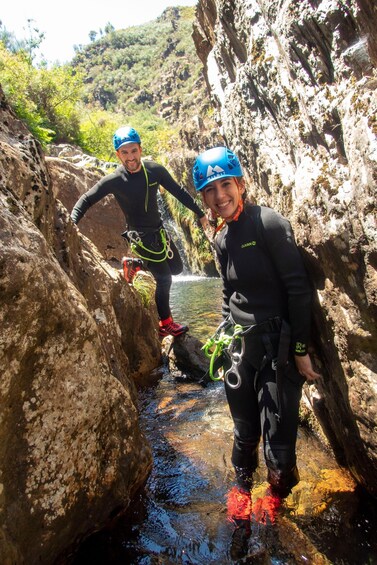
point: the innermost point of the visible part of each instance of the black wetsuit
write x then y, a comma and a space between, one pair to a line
266, 286
136, 194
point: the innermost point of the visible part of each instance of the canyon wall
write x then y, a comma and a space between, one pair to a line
294, 88
75, 339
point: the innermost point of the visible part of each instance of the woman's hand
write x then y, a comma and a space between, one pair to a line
305, 367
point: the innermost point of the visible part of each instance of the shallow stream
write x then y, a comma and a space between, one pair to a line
180, 516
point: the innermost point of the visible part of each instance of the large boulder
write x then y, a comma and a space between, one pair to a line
185, 355
75, 339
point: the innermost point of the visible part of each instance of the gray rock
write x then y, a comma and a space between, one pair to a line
185, 355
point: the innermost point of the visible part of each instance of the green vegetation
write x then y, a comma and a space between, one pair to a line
124, 77
29, 46
47, 100
132, 69
145, 286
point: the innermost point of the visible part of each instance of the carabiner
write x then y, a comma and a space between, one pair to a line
232, 375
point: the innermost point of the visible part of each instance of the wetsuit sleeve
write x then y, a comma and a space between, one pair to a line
227, 288
291, 270
181, 194
92, 196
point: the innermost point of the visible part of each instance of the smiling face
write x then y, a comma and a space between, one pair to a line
223, 196
130, 157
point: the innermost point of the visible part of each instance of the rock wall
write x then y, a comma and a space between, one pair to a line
74, 340
294, 87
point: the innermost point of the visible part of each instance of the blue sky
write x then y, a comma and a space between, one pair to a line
68, 23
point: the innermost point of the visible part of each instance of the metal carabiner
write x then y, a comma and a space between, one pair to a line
136, 239
232, 376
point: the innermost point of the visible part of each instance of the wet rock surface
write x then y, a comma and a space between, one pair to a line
181, 516
74, 339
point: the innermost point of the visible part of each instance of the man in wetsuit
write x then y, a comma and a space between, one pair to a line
135, 186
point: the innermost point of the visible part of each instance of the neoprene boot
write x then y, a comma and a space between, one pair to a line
131, 266
282, 482
244, 477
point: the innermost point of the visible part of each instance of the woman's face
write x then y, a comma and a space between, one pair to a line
223, 196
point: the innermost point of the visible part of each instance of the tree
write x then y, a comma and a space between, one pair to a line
109, 28
46, 100
29, 45
34, 40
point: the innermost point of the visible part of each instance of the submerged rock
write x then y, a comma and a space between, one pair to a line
186, 356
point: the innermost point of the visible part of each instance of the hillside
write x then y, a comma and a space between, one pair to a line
152, 73
152, 68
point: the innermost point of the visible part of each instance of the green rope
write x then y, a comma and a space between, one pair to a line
164, 251
217, 343
147, 181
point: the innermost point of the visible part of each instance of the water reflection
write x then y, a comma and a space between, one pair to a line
197, 302
180, 516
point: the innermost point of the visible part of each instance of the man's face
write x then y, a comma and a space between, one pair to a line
130, 157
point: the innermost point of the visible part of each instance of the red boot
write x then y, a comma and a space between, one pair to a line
169, 327
265, 509
238, 504
239, 511
131, 266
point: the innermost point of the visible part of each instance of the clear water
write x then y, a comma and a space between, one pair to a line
180, 515
196, 301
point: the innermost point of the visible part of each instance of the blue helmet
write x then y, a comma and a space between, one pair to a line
123, 135
215, 163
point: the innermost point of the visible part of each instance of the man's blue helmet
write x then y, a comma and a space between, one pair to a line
213, 164
124, 135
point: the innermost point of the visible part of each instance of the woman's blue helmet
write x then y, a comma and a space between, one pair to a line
124, 135
215, 163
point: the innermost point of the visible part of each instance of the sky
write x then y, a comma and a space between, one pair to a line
68, 23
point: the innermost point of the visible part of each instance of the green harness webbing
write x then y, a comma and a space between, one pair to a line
146, 202
223, 342
220, 341
136, 244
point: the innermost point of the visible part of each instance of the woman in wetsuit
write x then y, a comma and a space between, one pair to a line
267, 294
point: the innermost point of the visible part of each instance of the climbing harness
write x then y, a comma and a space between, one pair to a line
227, 345
135, 237
136, 242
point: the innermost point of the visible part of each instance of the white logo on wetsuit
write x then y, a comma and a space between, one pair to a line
212, 170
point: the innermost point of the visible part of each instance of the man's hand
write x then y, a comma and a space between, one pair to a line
305, 367
207, 228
